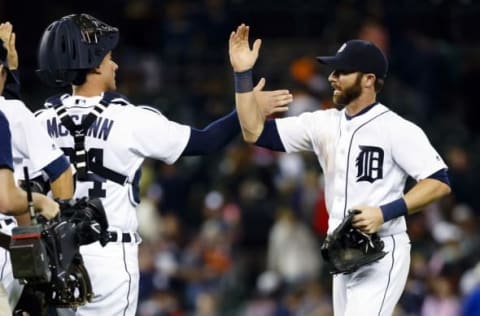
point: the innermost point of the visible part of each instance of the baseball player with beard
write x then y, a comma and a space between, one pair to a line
366, 152
107, 138
30, 146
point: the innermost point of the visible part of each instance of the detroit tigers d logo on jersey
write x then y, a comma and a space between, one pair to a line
369, 164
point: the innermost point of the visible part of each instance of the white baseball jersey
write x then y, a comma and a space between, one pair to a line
366, 160
119, 140
31, 147
123, 136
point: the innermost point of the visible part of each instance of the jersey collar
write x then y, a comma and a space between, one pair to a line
365, 110
80, 101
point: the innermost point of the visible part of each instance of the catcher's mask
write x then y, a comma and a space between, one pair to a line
71, 46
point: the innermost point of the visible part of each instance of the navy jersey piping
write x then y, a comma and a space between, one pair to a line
129, 279
389, 276
348, 158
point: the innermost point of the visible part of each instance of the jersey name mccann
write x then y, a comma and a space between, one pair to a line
100, 128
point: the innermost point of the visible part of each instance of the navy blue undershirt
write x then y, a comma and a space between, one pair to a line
56, 167
441, 175
270, 138
213, 137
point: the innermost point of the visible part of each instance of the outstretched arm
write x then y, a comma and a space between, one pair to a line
251, 114
220, 132
252, 103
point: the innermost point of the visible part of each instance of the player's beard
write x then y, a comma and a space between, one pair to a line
349, 94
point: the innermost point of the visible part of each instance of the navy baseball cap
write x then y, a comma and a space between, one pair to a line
358, 55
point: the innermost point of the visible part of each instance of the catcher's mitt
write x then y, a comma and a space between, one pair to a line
347, 248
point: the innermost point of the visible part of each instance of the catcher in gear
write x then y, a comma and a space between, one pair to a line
76, 51
348, 248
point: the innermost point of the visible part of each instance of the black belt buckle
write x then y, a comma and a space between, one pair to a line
125, 237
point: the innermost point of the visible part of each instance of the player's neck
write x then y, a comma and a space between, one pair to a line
88, 90
360, 103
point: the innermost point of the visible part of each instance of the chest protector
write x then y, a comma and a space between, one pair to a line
80, 157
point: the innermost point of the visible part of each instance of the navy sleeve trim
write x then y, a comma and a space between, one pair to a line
57, 167
213, 137
270, 138
441, 175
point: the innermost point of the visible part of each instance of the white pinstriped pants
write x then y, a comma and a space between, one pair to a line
376, 288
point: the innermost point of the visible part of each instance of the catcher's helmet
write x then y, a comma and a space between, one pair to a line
72, 45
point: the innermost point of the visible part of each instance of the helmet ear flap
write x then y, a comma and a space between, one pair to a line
57, 79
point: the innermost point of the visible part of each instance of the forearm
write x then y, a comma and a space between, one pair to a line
17, 203
62, 186
213, 137
425, 192
250, 117
249, 113
14, 201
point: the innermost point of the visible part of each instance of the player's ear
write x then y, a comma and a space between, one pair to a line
95, 71
369, 80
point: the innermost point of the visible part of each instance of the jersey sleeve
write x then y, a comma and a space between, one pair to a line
6, 160
33, 140
299, 133
157, 137
413, 152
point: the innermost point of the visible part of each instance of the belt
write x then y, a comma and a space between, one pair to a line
6, 222
123, 237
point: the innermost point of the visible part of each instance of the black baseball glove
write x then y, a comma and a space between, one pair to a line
347, 248
89, 219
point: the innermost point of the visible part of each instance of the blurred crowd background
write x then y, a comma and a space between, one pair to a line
238, 232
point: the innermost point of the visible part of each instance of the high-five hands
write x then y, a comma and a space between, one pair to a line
271, 102
8, 37
242, 57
